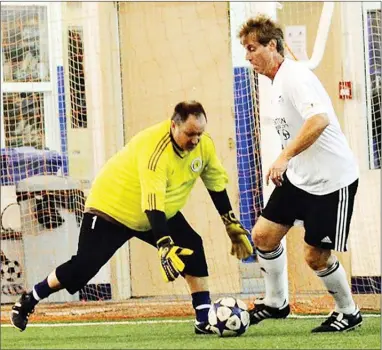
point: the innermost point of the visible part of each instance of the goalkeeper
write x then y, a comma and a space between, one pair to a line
139, 193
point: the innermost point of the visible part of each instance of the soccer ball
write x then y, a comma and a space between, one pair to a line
11, 271
228, 317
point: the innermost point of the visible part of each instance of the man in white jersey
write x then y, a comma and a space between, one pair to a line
316, 180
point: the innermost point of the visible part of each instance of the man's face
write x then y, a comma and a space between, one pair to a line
187, 135
260, 57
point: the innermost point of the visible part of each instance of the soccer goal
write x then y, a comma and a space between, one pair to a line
79, 79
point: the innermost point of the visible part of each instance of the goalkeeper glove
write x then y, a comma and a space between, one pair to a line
241, 246
169, 255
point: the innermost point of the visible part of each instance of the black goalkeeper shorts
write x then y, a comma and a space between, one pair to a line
99, 239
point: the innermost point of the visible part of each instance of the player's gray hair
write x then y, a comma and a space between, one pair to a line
183, 110
264, 30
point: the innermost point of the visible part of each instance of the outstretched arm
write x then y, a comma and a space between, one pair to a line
241, 246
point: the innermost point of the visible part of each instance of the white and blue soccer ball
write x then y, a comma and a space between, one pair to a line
228, 317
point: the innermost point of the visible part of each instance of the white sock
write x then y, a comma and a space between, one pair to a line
335, 281
273, 266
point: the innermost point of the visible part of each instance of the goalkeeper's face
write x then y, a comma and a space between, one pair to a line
187, 134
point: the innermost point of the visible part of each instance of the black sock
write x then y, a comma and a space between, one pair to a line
201, 302
42, 290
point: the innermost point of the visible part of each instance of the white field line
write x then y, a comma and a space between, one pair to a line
113, 323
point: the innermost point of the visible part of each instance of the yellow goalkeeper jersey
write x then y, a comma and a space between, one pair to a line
151, 172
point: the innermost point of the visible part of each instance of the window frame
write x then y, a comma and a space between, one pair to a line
48, 88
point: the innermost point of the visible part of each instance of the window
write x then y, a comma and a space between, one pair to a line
77, 78
25, 43
24, 119
30, 34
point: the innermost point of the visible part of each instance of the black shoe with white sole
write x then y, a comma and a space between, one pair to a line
203, 328
339, 322
21, 311
261, 312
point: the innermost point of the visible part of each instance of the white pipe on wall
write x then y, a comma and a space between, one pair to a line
322, 35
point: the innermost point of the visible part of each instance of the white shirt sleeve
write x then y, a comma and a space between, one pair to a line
305, 96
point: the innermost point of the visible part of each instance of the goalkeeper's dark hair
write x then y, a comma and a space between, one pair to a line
183, 110
263, 29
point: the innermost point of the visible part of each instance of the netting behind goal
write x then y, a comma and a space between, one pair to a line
28, 147
372, 47
101, 56
44, 123
366, 273
187, 56
248, 139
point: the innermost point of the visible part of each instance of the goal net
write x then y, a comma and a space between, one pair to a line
111, 78
79, 79
41, 209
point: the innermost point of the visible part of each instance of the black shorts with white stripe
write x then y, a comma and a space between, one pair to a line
326, 218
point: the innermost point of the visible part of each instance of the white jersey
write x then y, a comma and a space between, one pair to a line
328, 164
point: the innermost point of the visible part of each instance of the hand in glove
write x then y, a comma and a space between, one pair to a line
241, 245
169, 254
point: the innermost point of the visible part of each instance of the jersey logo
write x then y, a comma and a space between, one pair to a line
196, 164
282, 128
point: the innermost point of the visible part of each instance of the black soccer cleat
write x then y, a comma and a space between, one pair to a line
339, 322
21, 311
202, 328
261, 312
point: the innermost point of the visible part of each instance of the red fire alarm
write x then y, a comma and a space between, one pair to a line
344, 90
